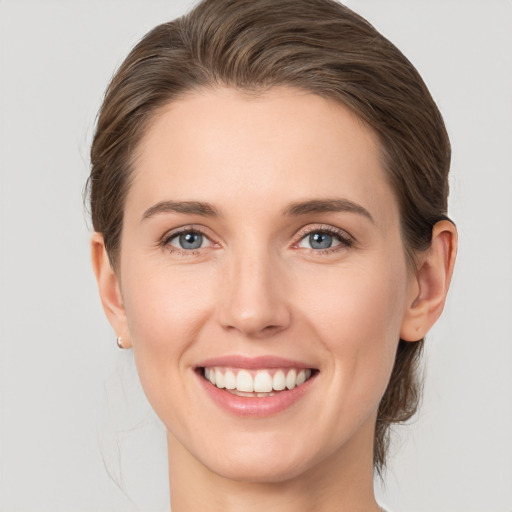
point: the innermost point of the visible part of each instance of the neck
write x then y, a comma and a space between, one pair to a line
341, 483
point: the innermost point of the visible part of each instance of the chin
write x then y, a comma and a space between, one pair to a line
263, 460
270, 471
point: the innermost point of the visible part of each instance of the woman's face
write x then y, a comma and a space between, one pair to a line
261, 246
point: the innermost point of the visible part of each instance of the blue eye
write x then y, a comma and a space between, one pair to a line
320, 240
323, 239
188, 240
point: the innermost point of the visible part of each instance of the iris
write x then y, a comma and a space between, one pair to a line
190, 240
320, 240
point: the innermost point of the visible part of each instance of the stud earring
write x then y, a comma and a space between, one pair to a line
119, 342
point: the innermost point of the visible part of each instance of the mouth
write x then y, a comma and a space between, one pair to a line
256, 387
256, 383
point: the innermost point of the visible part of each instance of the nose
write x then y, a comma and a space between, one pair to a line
253, 295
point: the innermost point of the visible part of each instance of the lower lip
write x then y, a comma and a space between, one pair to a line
255, 406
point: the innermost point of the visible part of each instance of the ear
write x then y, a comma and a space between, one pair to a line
428, 291
109, 288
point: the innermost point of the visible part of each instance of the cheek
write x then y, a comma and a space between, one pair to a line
357, 302
357, 315
164, 305
166, 310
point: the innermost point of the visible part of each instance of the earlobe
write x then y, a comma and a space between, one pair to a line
109, 289
428, 295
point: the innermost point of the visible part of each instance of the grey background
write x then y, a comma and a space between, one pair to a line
75, 431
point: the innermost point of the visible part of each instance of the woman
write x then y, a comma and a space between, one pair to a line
268, 192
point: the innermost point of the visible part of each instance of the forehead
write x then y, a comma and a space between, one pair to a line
227, 147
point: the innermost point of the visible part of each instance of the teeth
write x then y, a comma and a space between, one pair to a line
229, 380
259, 383
279, 380
262, 382
244, 381
291, 379
219, 379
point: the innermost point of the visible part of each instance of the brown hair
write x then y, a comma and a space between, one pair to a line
319, 46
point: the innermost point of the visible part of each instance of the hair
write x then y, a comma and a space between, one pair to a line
321, 47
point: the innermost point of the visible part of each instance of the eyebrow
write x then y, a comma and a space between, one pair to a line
185, 207
326, 206
294, 209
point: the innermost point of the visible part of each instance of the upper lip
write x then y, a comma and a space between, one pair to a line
267, 361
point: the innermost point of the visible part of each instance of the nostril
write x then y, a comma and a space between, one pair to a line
254, 328
271, 328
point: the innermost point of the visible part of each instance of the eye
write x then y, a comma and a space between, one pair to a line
188, 240
319, 240
324, 239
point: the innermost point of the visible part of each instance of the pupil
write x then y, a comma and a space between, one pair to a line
320, 240
191, 240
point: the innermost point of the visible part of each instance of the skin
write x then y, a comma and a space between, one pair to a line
257, 287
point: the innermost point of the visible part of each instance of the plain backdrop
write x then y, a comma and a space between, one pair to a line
76, 433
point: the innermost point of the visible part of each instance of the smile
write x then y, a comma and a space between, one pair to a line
255, 387
256, 382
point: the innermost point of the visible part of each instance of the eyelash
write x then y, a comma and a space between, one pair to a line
345, 240
166, 239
